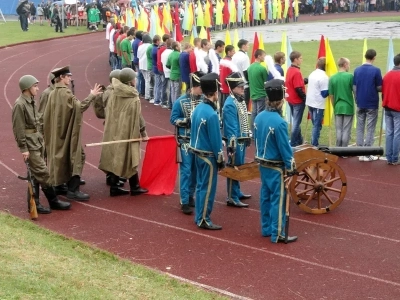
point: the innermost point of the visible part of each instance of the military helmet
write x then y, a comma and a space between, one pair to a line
127, 75
114, 74
51, 78
26, 82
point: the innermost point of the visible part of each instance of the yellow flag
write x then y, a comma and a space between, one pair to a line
218, 15
232, 11
200, 15
227, 38
261, 46
279, 10
191, 16
296, 8
248, 11
284, 49
365, 48
191, 40
330, 70
207, 17
236, 40
263, 12
203, 33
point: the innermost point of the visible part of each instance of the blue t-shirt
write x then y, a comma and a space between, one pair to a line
135, 47
366, 79
279, 69
154, 59
185, 66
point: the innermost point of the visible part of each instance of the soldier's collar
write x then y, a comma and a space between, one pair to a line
209, 102
30, 100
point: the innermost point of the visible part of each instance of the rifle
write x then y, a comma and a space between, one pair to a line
73, 86
31, 190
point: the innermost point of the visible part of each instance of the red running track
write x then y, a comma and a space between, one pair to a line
350, 253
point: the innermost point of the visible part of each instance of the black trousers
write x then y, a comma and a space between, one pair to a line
58, 25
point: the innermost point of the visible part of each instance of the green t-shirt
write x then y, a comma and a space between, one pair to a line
173, 65
149, 58
126, 46
341, 88
257, 75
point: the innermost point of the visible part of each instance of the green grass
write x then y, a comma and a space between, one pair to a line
38, 264
365, 19
352, 49
11, 32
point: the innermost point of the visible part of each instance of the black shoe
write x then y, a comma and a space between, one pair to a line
191, 202
204, 225
244, 197
42, 210
117, 191
138, 191
117, 184
123, 179
290, 239
61, 189
77, 195
236, 204
82, 182
186, 209
57, 204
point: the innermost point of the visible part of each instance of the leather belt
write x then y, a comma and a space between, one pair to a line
201, 153
266, 163
28, 131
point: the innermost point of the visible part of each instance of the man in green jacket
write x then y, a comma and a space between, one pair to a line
173, 65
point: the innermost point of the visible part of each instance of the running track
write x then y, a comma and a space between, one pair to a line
350, 253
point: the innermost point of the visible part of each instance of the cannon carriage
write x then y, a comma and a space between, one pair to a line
320, 184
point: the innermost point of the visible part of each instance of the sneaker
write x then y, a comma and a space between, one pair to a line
382, 158
151, 101
157, 104
164, 106
368, 158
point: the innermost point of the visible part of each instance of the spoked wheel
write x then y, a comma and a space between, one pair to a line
319, 187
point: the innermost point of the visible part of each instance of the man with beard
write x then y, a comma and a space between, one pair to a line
62, 128
235, 134
124, 121
25, 121
180, 117
206, 144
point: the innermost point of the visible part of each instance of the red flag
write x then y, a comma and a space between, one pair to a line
208, 35
322, 50
211, 11
177, 26
226, 15
159, 168
255, 47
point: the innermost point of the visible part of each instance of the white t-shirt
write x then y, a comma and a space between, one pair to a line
164, 59
108, 31
111, 41
242, 61
141, 53
318, 81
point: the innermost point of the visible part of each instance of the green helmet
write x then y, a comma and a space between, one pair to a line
127, 75
26, 82
51, 77
114, 74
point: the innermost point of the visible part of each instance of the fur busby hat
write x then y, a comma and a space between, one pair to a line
275, 89
209, 83
195, 78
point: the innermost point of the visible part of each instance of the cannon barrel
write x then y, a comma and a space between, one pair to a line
352, 151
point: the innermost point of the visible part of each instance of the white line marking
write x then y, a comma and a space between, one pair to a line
246, 246
8, 168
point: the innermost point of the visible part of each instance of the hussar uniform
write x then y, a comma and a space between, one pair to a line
25, 120
275, 156
236, 135
206, 144
181, 118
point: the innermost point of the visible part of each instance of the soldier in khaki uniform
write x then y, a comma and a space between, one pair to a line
124, 121
62, 122
25, 119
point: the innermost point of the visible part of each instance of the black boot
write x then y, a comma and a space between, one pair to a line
73, 190
135, 187
39, 207
119, 182
54, 202
61, 189
115, 189
191, 201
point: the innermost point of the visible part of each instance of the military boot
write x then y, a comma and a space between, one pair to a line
73, 190
135, 187
119, 182
61, 189
115, 189
54, 202
39, 207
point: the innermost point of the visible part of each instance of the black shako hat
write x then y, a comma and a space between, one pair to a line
275, 89
61, 71
209, 83
195, 78
235, 79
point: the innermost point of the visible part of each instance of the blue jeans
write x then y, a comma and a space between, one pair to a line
140, 82
392, 119
258, 105
317, 116
297, 111
166, 92
158, 88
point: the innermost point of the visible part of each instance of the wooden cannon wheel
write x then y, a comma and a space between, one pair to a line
319, 187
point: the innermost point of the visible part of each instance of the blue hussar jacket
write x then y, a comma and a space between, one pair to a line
235, 118
181, 114
272, 140
205, 130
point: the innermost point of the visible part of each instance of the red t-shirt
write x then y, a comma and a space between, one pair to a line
391, 91
224, 71
159, 62
192, 62
294, 80
115, 37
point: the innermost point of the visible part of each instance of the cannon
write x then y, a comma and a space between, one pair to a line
320, 184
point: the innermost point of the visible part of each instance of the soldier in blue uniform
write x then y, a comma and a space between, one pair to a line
206, 144
180, 117
235, 134
275, 156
